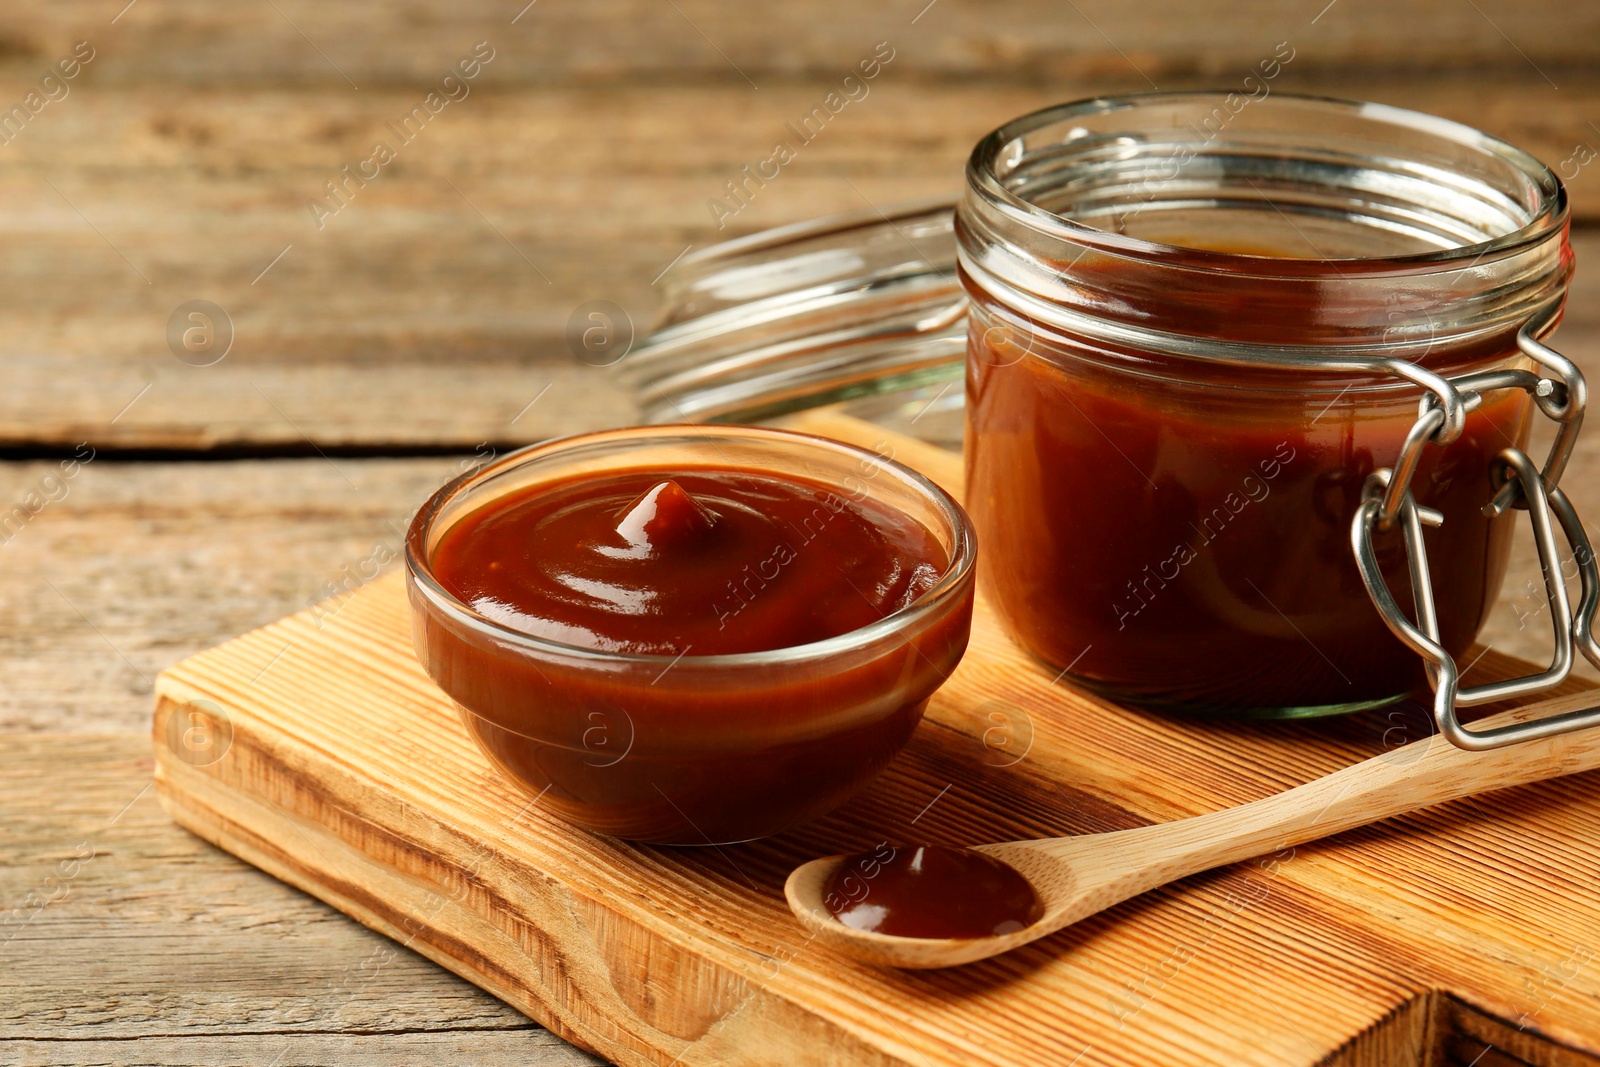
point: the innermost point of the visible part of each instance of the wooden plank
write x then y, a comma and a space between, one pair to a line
152, 947
141, 564
432, 310
653, 955
300, 41
531, 1047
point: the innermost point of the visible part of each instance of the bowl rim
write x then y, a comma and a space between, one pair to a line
958, 570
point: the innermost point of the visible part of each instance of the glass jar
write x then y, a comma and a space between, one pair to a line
1172, 409
861, 311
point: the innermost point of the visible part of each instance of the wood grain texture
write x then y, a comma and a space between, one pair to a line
649, 954
528, 1046
299, 41
137, 565
432, 309
158, 949
1081, 875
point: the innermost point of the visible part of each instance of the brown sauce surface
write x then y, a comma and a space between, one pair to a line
931, 891
703, 561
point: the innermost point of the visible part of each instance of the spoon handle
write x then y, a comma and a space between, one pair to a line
1114, 866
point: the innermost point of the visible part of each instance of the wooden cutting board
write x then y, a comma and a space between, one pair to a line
317, 749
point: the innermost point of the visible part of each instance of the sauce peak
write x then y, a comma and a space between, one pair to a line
664, 518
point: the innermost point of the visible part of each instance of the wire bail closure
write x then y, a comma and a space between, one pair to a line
1387, 500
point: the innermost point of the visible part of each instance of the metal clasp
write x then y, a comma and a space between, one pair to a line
1387, 500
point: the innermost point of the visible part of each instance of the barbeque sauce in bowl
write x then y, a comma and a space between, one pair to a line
697, 562
691, 635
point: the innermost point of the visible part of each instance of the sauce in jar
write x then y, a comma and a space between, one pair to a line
930, 891
1193, 338
1189, 545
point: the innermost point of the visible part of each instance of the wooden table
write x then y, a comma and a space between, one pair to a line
423, 324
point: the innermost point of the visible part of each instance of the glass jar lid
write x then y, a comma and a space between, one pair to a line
864, 306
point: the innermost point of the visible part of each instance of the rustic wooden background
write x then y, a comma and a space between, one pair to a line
424, 324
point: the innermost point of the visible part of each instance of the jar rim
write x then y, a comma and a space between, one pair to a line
983, 177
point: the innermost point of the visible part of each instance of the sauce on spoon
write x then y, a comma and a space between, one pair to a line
930, 891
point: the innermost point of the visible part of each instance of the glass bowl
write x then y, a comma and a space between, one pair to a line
693, 750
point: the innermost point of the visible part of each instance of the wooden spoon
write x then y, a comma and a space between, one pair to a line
1075, 877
